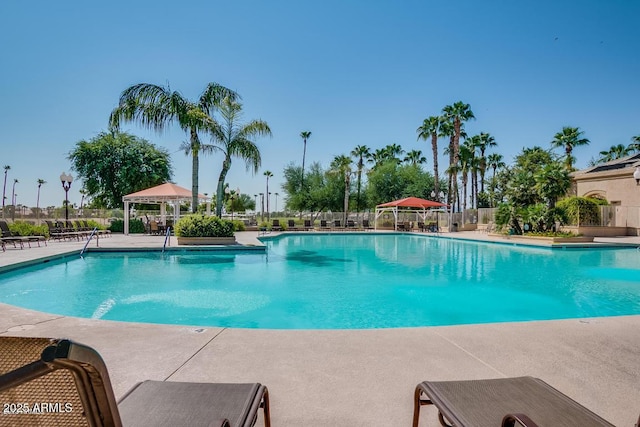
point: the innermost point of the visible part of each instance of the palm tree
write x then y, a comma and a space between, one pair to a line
156, 107
40, 182
268, 174
361, 152
569, 138
615, 152
456, 115
236, 139
494, 161
393, 152
4, 189
13, 199
464, 166
304, 135
431, 128
342, 166
415, 157
634, 146
484, 141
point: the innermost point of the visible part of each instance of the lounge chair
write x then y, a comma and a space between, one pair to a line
291, 225
307, 225
337, 225
75, 378
13, 238
275, 225
351, 225
366, 225
324, 225
523, 401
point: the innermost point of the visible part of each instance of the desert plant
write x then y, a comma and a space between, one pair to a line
203, 226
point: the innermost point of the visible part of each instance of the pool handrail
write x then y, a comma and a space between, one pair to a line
167, 236
95, 231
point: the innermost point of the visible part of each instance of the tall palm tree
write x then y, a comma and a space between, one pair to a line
414, 158
568, 139
393, 152
305, 135
157, 107
40, 182
268, 174
4, 189
431, 128
494, 161
457, 114
342, 166
464, 167
484, 141
361, 152
236, 139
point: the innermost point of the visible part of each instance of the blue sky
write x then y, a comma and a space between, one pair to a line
351, 72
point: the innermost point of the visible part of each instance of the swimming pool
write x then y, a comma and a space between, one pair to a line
336, 281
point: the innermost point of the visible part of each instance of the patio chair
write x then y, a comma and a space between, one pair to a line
324, 225
291, 225
275, 225
9, 237
307, 225
75, 378
337, 225
351, 225
508, 402
366, 225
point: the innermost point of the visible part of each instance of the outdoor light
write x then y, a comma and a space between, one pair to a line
636, 175
66, 181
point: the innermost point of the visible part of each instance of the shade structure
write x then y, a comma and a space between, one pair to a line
406, 204
160, 194
412, 202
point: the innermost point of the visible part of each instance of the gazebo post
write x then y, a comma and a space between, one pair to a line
126, 218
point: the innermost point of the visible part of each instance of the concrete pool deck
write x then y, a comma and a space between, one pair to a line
353, 377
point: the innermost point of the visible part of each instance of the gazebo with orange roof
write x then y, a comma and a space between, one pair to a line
406, 205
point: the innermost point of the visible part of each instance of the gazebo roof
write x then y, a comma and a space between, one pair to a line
412, 202
161, 193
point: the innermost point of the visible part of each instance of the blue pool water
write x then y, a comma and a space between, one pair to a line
336, 281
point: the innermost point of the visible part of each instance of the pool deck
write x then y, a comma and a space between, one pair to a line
353, 377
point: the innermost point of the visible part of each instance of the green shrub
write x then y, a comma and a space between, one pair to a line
26, 229
136, 226
238, 225
581, 210
203, 226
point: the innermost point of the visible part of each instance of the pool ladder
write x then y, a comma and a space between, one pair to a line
94, 232
167, 237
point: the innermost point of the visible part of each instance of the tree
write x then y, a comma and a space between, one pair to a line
415, 157
494, 161
268, 174
40, 182
634, 146
615, 152
4, 189
552, 182
116, 164
484, 141
464, 166
235, 139
431, 128
341, 166
157, 107
305, 135
456, 114
361, 152
568, 139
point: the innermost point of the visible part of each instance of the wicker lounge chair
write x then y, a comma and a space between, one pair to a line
523, 401
275, 225
324, 225
75, 377
307, 225
291, 225
366, 225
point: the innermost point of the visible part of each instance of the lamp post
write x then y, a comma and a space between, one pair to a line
268, 202
276, 202
66, 181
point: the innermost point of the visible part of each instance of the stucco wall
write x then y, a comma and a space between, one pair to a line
620, 190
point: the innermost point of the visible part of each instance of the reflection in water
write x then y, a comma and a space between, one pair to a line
314, 258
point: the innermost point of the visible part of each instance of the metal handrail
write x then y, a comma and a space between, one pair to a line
167, 236
95, 229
